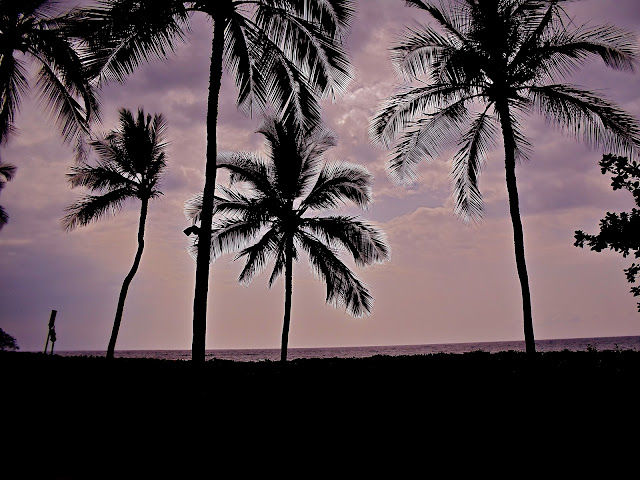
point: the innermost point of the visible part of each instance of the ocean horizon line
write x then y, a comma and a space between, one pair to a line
340, 347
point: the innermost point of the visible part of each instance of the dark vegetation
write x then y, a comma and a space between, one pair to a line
619, 232
86, 417
7, 342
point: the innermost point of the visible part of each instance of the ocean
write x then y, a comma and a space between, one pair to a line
273, 354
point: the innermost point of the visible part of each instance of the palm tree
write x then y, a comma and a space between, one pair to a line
7, 171
281, 53
131, 163
271, 219
35, 31
496, 61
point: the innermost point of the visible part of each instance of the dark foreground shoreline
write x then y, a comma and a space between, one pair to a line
86, 417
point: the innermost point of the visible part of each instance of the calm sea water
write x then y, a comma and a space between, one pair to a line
253, 355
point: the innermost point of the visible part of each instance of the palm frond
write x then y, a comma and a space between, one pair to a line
193, 208
587, 116
566, 51
227, 203
409, 105
337, 184
279, 263
4, 217
285, 144
248, 168
313, 146
91, 208
342, 286
120, 35
241, 57
54, 47
104, 177
468, 162
333, 16
424, 138
454, 21
229, 235
418, 51
40, 31
60, 104
311, 43
286, 87
13, 84
259, 254
616, 47
8, 171
366, 243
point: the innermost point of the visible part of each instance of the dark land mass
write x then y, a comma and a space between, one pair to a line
378, 417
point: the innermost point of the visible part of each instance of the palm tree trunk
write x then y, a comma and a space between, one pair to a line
204, 236
288, 288
127, 281
518, 235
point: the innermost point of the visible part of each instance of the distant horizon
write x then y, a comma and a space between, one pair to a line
338, 346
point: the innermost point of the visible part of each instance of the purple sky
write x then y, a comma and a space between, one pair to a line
447, 281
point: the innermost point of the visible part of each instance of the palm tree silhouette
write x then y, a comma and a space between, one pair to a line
7, 171
281, 53
35, 31
271, 219
496, 61
131, 163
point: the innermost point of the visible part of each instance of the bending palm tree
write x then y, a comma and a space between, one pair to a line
270, 221
132, 162
281, 52
7, 171
33, 29
502, 57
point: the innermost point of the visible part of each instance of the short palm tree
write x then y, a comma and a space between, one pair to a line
7, 171
35, 31
131, 163
271, 220
492, 62
280, 52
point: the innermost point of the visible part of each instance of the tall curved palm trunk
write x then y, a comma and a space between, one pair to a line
127, 281
204, 237
131, 162
516, 221
288, 295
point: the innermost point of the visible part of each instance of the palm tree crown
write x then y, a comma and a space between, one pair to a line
491, 62
130, 165
34, 30
271, 219
504, 57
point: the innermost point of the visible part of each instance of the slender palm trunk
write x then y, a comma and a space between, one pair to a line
518, 235
204, 236
288, 289
127, 281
